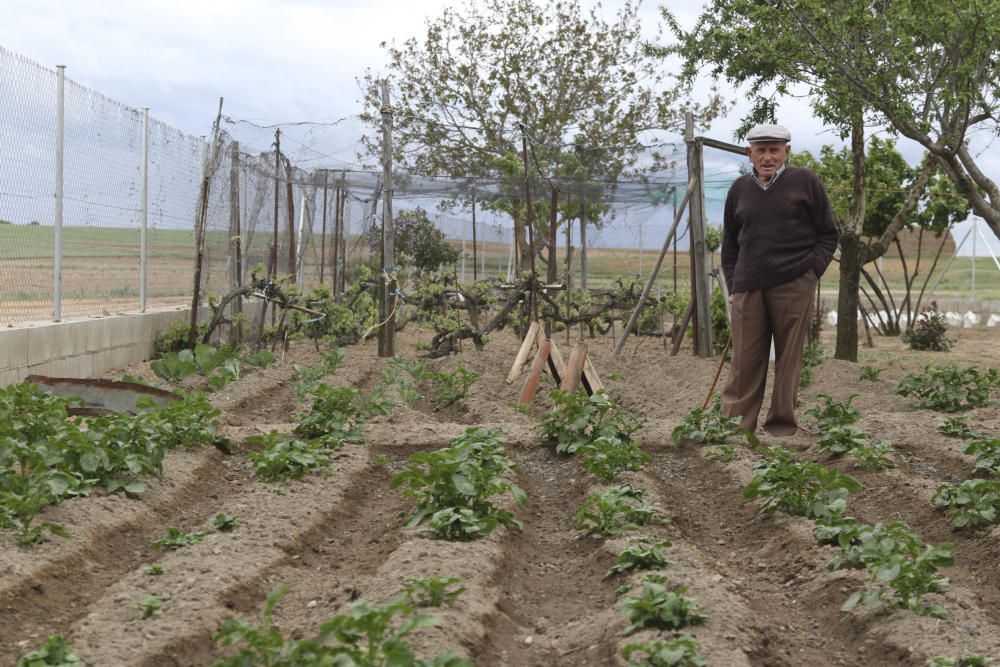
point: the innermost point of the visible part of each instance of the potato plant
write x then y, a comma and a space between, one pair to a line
832, 412
453, 486
55, 652
175, 538
597, 430
366, 635
974, 503
45, 457
970, 660
799, 488
657, 606
957, 426
901, 568
949, 388
614, 511
644, 553
433, 592
680, 651
709, 427
987, 453
277, 459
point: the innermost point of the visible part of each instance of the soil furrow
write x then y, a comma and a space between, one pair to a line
551, 582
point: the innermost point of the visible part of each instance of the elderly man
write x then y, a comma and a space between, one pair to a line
778, 237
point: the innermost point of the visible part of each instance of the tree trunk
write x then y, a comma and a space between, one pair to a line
847, 299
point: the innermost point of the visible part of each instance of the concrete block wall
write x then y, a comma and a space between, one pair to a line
87, 348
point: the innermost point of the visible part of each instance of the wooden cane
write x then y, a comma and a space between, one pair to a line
718, 372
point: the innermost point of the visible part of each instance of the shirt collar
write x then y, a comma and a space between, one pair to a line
765, 186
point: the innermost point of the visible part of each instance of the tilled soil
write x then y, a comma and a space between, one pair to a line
539, 596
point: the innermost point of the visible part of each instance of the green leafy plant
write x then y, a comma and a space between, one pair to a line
709, 427
433, 592
155, 570
659, 607
874, 456
46, 457
957, 426
812, 356
928, 332
842, 439
799, 488
614, 511
949, 388
449, 388
224, 522
260, 359
174, 366
987, 453
453, 486
869, 373
722, 453
678, 652
366, 636
278, 459
55, 652
311, 376
975, 502
176, 538
970, 660
336, 413
901, 568
381, 461
644, 553
151, 606
832, 412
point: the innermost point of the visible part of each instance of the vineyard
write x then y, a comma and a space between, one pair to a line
327, 506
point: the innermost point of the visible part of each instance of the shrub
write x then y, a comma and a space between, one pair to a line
928, 333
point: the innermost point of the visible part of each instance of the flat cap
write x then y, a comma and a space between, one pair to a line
769, 133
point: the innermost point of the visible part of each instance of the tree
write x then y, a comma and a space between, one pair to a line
579, 85
861, 64
888, 182
930, 71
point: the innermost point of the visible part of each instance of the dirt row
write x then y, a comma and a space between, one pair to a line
539, 596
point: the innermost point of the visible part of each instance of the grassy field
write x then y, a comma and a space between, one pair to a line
101, 269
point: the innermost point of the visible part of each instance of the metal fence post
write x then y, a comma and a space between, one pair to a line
143, 209
58, 218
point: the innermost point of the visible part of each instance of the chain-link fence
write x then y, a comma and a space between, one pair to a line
302, 199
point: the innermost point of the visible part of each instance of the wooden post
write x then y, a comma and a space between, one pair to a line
530, 215
344, 233
322, 244
475, 253
387, 315
335, 243
235, 244
290, 205
583, 244
681, 329
701, 287
199, 229
634, 318
574, 367
534, 374
272, 268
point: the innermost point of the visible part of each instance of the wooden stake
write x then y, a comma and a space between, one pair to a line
591, 380
681, 329
718, 372
530, 387
522, 354
574, 368
556, 365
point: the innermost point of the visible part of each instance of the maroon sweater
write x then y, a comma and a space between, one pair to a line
773, 236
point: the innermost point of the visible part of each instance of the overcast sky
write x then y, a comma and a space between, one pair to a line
272, 60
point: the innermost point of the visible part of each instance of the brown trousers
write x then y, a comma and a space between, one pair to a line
784, 312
